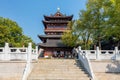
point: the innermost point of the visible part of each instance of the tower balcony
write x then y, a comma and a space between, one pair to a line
55, 30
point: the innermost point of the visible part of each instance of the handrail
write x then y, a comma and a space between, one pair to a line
27, 69
86, 63
28, 66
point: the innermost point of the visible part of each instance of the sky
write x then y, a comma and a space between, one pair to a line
29, 13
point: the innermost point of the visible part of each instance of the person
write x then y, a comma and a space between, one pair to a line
58, 54
55, 54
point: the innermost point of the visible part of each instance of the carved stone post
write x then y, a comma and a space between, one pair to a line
37, 53
116, 52
29, 53
97, 53
28, 64
6, 55
79, 48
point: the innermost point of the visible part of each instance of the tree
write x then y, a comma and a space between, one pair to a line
85, 28
97, 18
113, 20
69, 37
77, 35
26, 40
98, 22
12, 33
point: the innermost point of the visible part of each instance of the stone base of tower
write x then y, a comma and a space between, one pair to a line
58, 53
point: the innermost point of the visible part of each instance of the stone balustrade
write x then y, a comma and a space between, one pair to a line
102, 54
13, 53
83, 58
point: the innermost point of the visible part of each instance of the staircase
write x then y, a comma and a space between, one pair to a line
58, 69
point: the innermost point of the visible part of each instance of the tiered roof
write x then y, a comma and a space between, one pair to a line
53, 43
53, 40
58, 14
50, 36
58, 17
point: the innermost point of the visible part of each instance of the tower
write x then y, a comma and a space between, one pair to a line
54, 27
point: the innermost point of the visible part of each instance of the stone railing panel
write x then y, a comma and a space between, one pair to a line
2, 51
34, 54
18, 50
20, 53
107, 54
90, 53
102, 54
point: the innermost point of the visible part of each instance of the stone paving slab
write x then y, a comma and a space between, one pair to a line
11, 70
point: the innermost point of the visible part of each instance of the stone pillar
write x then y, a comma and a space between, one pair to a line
28, 64
29, 53
6, 55
97, 53
116, 52
37, 55
79, 48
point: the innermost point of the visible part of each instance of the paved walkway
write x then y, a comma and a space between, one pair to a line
106, 69
11, 70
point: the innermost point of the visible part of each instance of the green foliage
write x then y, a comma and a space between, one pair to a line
69, 38
113, 26
98, 22
26, 40
12, 33
101, 20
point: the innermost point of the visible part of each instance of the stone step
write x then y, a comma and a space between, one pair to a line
68, 63
59, 78
58, 71
58, 67
46, 66
59, 74
55, 69
79, 73
64, 64
65, 71
57, 62
54, 63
